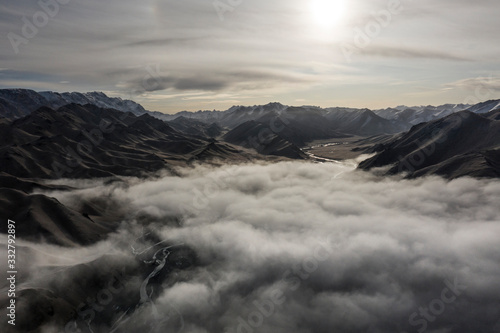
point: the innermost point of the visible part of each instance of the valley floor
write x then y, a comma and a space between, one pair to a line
338, 149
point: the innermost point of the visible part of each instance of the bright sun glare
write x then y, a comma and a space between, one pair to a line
327, 13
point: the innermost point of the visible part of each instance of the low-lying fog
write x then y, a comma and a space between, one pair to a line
296, 247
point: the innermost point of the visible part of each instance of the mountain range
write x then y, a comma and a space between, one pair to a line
46, 134
17, 103
461, 144
84, 141
61, 145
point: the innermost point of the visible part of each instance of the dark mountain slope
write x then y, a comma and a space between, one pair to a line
252, 134
361, 122
195, 127
40, 218
86, 141
462, 144
485, 107
25, 185
18, 103
301, 126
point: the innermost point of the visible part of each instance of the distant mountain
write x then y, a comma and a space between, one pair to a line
99, 99
87, 141
485, 107
195, 127
456, 107
319, 123
207, 117
255, 135
361, 122
462, 144
301, 125
232, 117
17, 103
46, 219
239, 114
409, 116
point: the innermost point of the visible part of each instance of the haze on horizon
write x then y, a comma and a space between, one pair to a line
190, 55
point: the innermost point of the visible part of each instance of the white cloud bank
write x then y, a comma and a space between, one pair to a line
294, 247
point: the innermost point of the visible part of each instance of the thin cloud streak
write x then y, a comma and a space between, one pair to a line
409, 53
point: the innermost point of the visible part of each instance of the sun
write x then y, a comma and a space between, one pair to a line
327, 13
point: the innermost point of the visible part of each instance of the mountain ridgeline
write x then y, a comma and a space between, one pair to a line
83, 135
461, 144
44, 138
85, 141
18, 103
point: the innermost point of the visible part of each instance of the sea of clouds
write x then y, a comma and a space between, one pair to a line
294, 247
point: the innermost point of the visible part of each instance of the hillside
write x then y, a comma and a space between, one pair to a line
462, 144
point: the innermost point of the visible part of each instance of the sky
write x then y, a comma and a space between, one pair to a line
202, 54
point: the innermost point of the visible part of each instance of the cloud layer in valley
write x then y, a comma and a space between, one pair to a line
300, 247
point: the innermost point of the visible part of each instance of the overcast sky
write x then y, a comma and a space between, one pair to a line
173, 55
